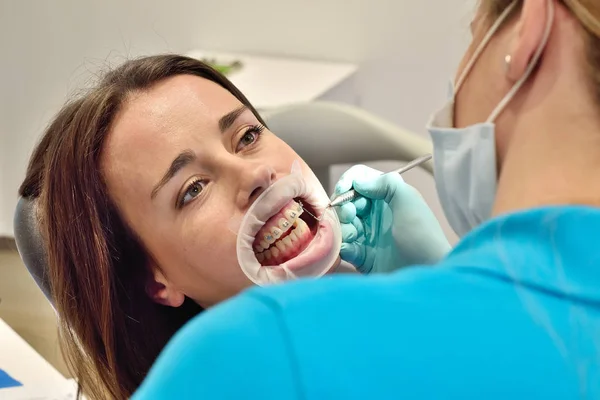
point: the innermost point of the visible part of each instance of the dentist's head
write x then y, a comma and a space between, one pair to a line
137, 182
523, 127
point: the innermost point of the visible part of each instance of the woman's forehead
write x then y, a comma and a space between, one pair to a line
154, 125
168, 113
181, 96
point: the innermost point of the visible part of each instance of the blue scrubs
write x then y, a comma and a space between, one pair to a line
512, 313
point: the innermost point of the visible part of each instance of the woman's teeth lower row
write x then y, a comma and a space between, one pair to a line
285, 244
283, 225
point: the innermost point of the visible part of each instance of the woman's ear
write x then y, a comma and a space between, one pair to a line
527, 37
162, 291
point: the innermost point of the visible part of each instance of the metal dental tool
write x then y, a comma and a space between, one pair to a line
309, 213
352, 194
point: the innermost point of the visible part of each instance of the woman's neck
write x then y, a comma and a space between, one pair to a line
553, 161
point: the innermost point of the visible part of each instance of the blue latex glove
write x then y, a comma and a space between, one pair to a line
390, 227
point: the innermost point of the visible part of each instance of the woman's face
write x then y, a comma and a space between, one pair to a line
181, 160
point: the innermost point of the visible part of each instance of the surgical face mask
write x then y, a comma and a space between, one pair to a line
465, 158
277, 240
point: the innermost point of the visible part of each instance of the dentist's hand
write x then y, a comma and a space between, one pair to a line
390, 226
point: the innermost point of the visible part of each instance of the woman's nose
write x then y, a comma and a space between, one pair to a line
253, 181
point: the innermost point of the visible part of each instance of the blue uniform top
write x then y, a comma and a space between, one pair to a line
512, 313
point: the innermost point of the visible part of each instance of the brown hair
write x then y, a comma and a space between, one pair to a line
587, 13
111, 331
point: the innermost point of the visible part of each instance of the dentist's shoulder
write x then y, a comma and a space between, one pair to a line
341, 337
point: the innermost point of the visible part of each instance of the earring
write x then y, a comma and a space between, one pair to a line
507, 61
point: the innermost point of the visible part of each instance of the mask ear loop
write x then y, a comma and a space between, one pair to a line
485, 41
482, 45
532, 64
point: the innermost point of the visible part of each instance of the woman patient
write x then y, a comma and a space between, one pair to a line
138, 182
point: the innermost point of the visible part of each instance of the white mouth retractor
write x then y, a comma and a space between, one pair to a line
320, 255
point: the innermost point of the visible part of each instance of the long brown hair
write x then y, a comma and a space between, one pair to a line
111, 331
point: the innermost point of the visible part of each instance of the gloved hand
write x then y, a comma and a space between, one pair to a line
390, 226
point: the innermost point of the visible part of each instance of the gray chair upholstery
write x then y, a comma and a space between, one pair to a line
30, 244
328, 133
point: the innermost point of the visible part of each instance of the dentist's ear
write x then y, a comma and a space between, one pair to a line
528, 36
161, 291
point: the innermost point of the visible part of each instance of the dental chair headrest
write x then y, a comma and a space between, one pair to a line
30, 244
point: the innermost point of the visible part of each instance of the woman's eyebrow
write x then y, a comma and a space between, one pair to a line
184, 158
228, 119
187, 156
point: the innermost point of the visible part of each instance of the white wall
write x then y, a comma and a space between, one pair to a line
48, 49
5, 221
406, 50
4, 231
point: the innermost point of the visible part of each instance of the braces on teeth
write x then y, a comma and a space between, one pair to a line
269, 246
267, 237
309, 213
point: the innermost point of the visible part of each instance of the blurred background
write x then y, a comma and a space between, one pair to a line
392, 58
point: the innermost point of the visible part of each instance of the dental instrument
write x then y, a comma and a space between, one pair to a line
352, 194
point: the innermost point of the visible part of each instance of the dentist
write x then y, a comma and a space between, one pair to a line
513, 312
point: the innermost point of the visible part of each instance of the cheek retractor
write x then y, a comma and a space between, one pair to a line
321, 252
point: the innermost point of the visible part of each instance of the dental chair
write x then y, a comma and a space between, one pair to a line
30, 244
322, 133
327, 133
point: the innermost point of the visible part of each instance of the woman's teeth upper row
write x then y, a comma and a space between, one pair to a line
286, 218
287, 246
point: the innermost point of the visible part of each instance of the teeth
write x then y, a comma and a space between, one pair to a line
276, 232
269, 238
263, 249
280, 245
284, 224
293, 212
275, 252
291, 215
302, 227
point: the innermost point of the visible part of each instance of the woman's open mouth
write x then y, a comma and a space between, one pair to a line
278, 240
286, 234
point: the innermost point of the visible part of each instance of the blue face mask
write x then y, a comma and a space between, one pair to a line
465, 158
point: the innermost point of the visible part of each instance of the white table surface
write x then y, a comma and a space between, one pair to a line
40, 380
270, 82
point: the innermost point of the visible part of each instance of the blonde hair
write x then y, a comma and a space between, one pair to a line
587, 13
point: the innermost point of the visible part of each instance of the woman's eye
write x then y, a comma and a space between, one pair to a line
250, 137
192, 191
